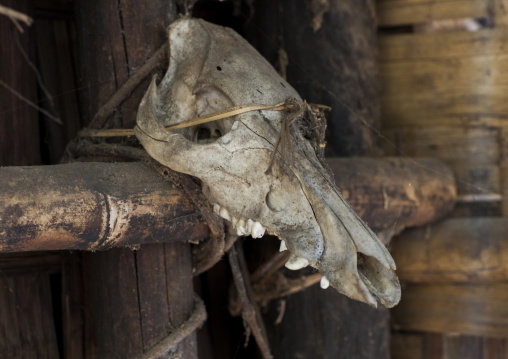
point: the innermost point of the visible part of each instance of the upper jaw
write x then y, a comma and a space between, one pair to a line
298, 202
316, 224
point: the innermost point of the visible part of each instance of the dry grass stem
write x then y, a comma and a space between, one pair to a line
15, 16
30, 103
37, 74
215, 116
231, 111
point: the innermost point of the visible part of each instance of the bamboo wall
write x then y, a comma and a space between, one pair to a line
444, 95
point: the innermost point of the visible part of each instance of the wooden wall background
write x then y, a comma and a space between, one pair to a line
112, 304
444, 95
118, 303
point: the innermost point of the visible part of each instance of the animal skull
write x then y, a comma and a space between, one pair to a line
213, 68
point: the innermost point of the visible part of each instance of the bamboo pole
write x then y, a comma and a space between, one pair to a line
91, 206
95, 206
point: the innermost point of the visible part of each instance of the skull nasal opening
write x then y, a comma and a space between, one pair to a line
206, 134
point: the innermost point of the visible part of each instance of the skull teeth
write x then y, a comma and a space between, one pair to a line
249, 225
324, 283
258, 230
243, 227
282, 246
224, 214
240, 228
296, 263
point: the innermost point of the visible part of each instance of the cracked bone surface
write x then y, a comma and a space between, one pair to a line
213, 68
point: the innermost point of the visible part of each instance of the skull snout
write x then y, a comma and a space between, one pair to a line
354, 261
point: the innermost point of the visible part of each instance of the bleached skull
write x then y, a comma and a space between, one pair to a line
213, 68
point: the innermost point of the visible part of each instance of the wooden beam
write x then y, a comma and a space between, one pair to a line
92, 206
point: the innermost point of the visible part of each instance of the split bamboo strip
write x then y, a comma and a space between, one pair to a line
503, 144
453, 145
458, 44
466, 309
456, 250
464, 120
404, 12
413, 77
490, 101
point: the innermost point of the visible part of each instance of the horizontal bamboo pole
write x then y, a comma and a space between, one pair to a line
396, 192
91, 206
95, 206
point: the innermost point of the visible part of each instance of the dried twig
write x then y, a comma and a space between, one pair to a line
37, 74
112, 132
250, 312
16, 15
282, 311
285, 287
125, 90
30, 103
269, 283
17, 24
231, 237
169, 343
271, 266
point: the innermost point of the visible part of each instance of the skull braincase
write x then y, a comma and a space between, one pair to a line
213, 68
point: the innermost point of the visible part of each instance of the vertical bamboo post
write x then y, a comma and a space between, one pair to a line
133, 298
